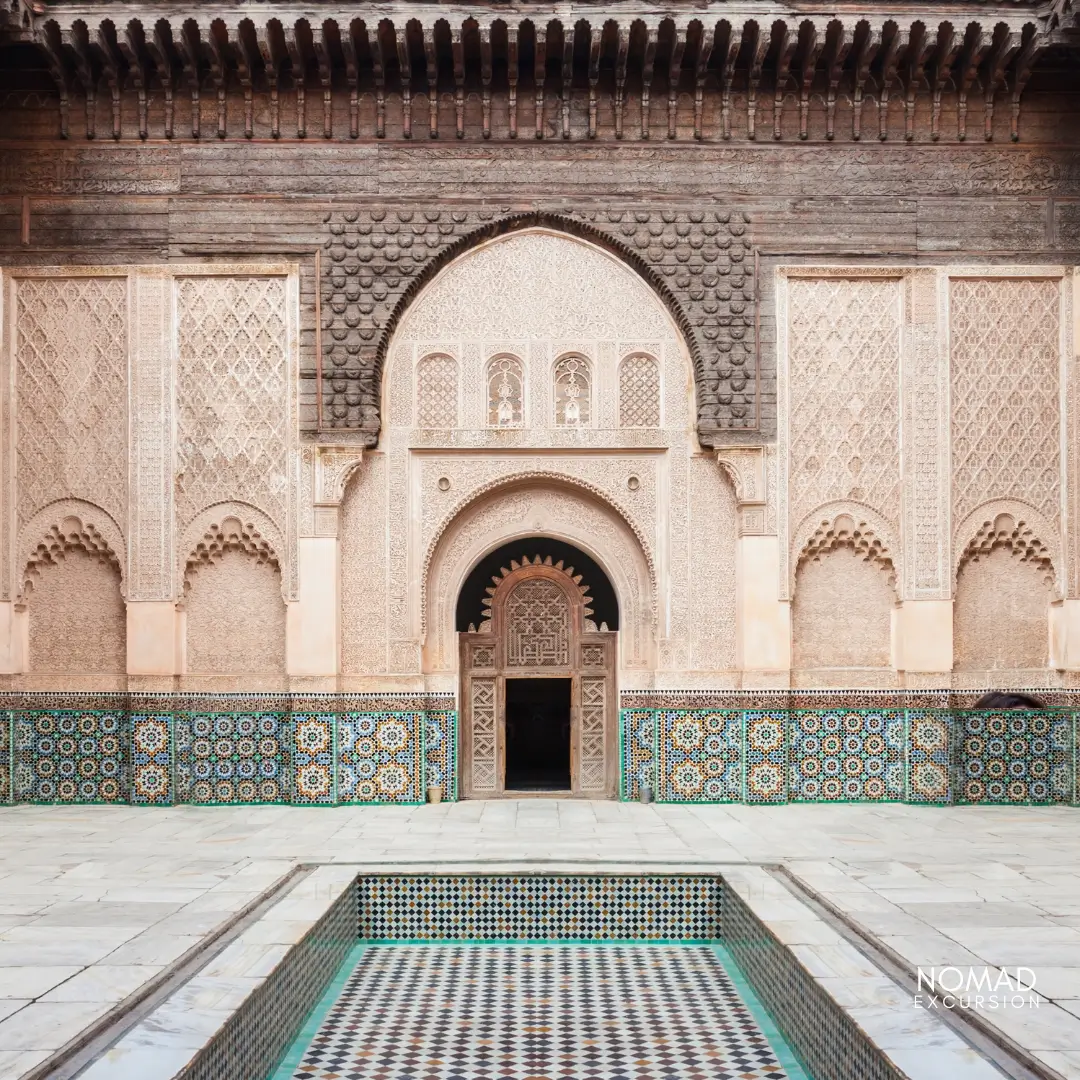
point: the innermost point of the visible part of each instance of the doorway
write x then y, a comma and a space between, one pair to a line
538, 734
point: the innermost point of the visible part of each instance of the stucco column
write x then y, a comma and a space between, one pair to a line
762, 618
14, 639
313, 620
923, 636
154, 638
1065, 635
311, 633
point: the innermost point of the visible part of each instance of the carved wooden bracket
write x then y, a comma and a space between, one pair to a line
746, 467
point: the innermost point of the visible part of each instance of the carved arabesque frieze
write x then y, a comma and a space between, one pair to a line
540, 509
232, 523
697, 261
845, 525
231, 534
1011, 525
75, 525
472, 479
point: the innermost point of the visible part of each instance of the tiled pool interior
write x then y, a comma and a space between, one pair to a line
452, 976
588, 1011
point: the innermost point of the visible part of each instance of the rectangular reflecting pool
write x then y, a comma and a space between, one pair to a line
522, 1011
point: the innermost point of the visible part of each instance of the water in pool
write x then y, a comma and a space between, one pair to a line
458, 1011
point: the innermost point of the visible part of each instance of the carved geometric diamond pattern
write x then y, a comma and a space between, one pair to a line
71, 392
593, 714
1005, 410
233, 419
437, 392
844, 349
639, 392
484, 742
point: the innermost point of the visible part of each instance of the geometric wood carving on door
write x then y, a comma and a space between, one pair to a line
538, 624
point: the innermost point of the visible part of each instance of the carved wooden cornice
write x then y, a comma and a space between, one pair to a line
766, 53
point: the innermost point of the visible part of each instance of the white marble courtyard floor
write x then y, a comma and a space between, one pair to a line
95, 901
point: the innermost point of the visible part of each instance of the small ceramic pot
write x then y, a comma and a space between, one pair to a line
434, 794
645, 794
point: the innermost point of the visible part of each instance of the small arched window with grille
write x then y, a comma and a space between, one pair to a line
505, 392
437, 392
639, 392
573, 392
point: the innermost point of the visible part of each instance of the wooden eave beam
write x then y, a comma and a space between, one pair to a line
539, 76
808, 69
834, 64
701, 71
976, 43
320, 45
867, 50
272, 70
948, 46
789, 42
298, 67
566, 77
648, 64
131, 49
675, 59
189, 47
405, 72
431, 61
921, 46
890, 64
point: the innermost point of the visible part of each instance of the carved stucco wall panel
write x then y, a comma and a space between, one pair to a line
235, 615
151, 516
544, 509
839, 404
1000, 613
236, 419
841, 614
363, 536
1005, 351
713, 537
77, 617
70, 358
926, 450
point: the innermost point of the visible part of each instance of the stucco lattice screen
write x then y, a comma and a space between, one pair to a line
505, 382
573, 392
639, 392
697, 259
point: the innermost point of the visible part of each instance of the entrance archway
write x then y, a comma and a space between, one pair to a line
538, 679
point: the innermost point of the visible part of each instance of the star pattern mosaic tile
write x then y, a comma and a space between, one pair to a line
524, 1012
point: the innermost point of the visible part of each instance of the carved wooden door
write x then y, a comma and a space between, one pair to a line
538, 626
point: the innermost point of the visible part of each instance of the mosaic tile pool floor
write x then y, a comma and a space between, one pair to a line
539, 1012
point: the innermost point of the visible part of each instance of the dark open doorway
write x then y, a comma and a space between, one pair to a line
538, 735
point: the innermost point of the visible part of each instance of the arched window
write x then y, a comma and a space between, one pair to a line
436, 392
639, 392
573, 392
505, 392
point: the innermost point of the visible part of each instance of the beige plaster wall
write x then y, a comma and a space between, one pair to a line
235, 617
78, 623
